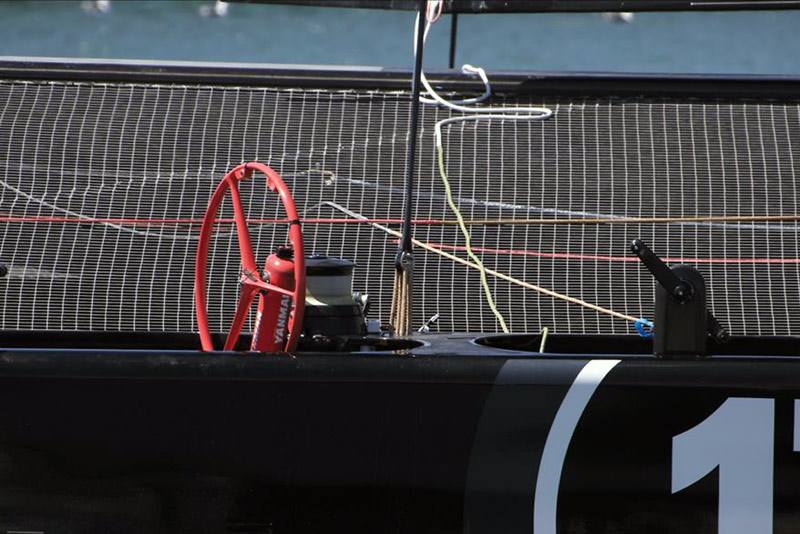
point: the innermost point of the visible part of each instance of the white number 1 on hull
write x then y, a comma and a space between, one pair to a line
739, 439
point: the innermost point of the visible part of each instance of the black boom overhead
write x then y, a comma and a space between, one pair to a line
545, 6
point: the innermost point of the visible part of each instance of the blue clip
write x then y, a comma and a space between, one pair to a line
644, 327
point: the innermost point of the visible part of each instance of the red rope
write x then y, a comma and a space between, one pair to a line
189, 222
557, 255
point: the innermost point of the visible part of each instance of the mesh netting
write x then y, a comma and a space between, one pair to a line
103, 187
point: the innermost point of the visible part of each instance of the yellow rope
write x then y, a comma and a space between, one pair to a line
502, 276
545, 331
468, 240
516, 281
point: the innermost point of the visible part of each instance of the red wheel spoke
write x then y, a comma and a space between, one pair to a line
269, 287
245, 301
245, 246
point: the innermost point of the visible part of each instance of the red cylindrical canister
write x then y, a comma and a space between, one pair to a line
272, 320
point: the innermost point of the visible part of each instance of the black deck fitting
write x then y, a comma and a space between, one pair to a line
682, 320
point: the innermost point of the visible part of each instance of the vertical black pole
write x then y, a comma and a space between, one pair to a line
453, 35
404, 262
405, 243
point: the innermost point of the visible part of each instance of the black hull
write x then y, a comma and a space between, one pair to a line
181, 442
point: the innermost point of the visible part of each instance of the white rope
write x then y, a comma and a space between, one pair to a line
433, 12
518, 113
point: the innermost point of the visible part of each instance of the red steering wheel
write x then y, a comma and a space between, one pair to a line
250, 277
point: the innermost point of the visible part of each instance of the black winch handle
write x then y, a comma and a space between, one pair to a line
678, 289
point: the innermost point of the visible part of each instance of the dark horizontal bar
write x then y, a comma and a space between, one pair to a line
194, 365
461, 346
551, 6
550, 84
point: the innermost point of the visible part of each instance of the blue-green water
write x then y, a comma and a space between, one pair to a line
739, 42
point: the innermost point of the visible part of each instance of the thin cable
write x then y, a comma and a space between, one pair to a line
584, 217
9, 218
190, 222
524, 284
624, 259
497, 274
121, 228
453, 39
400, 315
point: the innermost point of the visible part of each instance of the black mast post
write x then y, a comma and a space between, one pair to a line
404, 261
453, 36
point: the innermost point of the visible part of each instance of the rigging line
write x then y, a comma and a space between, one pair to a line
185, 222
574, 216
627, 259
9, 218
119, 227
140, 184
516, 113
401, 311
497, 274
118, 224
459, 105
620, 219
468, 240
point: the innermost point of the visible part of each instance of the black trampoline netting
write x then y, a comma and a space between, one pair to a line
103, 185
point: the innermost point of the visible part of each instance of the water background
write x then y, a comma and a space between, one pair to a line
764, 42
